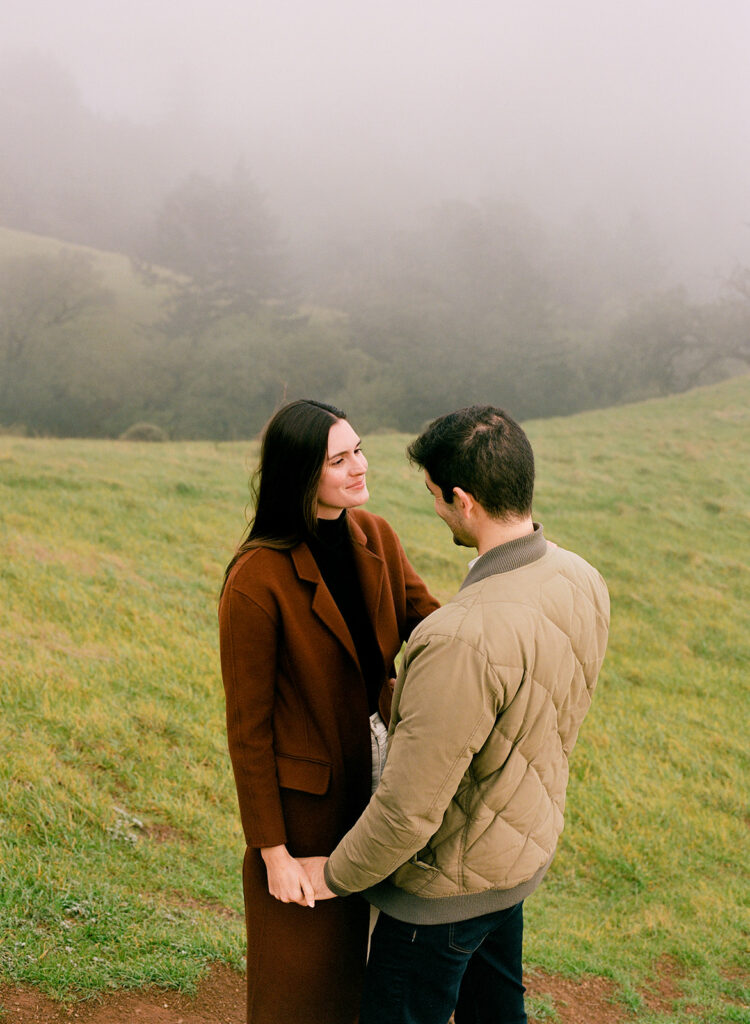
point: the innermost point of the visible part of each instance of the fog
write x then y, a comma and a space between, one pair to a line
353, 115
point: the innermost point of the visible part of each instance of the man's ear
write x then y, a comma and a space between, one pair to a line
465, 500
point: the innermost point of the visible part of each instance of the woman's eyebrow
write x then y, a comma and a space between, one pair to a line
336, 454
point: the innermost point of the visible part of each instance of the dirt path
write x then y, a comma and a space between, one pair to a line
221, 1000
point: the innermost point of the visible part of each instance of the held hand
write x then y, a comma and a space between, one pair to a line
314, 868
287, 880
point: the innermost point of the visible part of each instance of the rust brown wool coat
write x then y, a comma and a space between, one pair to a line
299, 740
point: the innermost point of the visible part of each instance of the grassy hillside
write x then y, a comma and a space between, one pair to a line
120, 844
88, 358
135, 302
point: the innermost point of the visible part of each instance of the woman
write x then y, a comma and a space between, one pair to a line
315, 606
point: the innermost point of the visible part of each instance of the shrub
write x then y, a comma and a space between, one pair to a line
14, 430
144, 432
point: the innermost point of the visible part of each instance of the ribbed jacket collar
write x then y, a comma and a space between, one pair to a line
512, 555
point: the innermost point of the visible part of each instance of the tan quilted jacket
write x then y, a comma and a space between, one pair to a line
491, 694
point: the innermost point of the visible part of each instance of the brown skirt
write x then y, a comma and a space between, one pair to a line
304, 966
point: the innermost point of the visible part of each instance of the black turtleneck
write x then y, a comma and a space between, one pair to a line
333, 553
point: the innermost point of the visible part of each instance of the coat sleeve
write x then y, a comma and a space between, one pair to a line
449, 699
418, 604
419, 601
248, 638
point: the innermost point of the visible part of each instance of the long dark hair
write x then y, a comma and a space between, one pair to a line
285, 485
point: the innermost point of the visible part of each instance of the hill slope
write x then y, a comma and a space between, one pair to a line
135, 300
120, 845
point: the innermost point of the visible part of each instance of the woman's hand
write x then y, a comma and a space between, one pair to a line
287, 880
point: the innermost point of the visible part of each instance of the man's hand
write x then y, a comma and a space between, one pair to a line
287, 880
314, 868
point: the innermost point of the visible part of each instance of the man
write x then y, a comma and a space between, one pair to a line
491, 693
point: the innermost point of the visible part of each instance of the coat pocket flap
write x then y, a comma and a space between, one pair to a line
303, 773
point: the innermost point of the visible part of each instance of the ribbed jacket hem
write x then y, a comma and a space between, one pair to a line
405, 906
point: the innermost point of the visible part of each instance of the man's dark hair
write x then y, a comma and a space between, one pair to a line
483, 451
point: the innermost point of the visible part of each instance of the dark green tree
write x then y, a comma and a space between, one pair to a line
41, 297
223, 247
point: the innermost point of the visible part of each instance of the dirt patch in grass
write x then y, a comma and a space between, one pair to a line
221, 1000
213, 906
585, 1000
665, 989
161, 833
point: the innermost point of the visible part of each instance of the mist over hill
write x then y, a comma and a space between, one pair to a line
353, 118
92, 343
400, 209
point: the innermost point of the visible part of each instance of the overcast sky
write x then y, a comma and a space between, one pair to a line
639, 107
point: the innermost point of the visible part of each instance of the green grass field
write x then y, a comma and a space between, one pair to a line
120, 844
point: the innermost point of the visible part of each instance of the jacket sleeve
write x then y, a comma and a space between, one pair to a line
448, 699
248, 638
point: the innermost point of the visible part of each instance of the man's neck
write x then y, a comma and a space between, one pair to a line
493, 532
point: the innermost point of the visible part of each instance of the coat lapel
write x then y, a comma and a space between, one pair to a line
371, 572
323, 604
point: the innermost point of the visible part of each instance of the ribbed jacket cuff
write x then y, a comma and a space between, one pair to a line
331, 883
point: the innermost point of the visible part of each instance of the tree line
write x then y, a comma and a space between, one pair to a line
471, 302
475, 303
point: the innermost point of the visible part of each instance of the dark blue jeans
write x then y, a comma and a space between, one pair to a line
421, 974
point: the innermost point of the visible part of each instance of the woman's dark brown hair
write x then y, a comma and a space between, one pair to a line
285, 485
